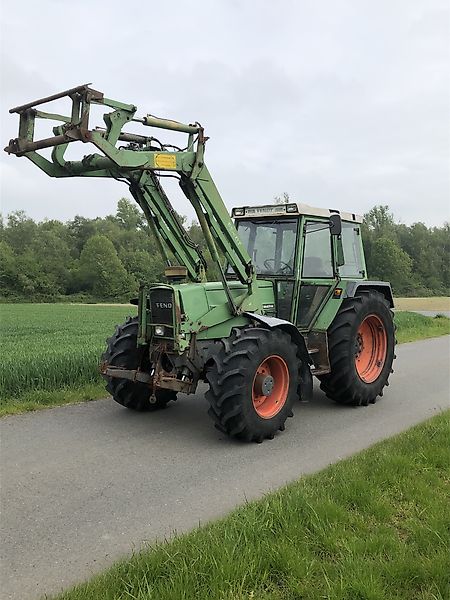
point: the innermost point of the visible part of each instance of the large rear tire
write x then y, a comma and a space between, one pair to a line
122, 351
361, 343
253, 383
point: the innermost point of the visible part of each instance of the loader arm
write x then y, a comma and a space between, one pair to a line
140, 161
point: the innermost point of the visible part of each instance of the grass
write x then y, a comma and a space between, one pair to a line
412, 326
373, 527
435, 303
37, 399
51, 351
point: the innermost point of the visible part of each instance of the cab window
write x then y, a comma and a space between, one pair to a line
317, 256
270, 244
351, 241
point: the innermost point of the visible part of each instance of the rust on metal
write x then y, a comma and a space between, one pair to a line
177, 385
130, 374
18, 146
79, 88
176, 271
317, 345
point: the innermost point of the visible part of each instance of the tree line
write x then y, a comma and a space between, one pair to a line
414, 258
105, 259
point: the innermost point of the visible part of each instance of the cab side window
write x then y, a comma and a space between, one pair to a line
317, 256
351, 241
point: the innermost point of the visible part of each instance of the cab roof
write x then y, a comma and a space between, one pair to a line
291, 209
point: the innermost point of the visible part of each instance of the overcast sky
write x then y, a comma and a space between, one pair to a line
342, 104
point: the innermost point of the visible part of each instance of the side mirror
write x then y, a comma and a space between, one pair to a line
335, 225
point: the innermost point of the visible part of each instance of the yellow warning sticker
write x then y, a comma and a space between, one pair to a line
165, 161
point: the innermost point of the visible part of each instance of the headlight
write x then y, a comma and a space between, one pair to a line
159, 330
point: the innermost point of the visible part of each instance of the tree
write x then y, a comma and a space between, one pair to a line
80, 230
389, 262
426, 247
102, 271
142, 266
196, 234
20, 231
442, 245
32, 281
128, 215
380, 221
283, 199
53, 258
8, 269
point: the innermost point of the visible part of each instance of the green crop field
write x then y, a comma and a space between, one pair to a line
50, 352
47, 348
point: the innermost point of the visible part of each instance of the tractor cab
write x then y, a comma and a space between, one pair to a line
304, 251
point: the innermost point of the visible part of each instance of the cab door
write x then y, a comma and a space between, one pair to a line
317, 271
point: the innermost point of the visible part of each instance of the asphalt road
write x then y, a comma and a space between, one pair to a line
85, 484
433, 313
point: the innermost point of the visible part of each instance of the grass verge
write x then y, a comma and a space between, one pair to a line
372, 527
38, 399
412, 326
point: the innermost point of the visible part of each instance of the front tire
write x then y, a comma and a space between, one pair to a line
122, 351
361, 343
253, 383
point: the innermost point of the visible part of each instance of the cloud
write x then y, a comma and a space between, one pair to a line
342, 104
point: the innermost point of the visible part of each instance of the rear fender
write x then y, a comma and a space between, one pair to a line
353, 287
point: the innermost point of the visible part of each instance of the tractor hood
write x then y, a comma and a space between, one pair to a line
202, 308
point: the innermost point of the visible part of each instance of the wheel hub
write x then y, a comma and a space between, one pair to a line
264, 384
370, 348
270, 386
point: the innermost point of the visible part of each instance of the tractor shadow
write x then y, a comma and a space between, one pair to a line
186, 419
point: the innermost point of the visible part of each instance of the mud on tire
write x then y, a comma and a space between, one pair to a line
361, 343
238, 380
122, 351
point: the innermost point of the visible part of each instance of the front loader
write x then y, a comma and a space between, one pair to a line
293, 298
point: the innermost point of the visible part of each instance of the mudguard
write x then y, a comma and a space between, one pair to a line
381, 286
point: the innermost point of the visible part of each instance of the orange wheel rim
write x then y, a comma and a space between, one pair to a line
370, 348
270, 386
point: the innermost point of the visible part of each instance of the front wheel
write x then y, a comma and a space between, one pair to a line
123, 351
361, 344
253, 383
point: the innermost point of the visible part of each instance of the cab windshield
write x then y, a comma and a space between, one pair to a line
271, 245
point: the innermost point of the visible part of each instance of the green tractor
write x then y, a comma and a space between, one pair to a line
293, 298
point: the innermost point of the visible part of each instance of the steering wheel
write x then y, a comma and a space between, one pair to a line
284, 267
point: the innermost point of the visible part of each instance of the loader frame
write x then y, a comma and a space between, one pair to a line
142, 171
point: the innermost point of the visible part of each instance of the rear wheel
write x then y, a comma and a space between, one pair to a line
122, 351
253, 383
361, 344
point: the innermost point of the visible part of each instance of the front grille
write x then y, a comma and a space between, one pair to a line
161, 306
